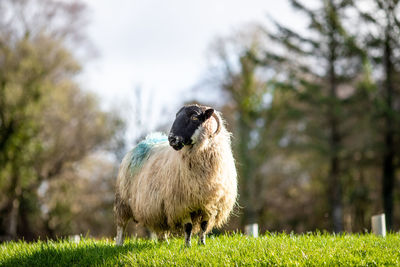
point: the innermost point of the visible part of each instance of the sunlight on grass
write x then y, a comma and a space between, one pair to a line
271, 249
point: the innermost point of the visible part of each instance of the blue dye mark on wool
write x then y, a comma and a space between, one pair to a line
142, 150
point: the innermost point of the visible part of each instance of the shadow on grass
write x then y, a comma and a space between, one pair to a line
69, 254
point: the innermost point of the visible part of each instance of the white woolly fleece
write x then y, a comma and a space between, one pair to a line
190, 185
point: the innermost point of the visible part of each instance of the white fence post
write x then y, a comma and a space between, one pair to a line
75, 238
378, 224
251, 230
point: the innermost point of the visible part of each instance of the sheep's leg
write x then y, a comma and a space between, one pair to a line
202, 234
188, 233
187, 226
163, 237
123, 214
119, 240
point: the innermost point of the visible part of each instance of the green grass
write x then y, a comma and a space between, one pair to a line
271, 249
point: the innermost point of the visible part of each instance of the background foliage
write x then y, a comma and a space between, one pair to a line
315, 117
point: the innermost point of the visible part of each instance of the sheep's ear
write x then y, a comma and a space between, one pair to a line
208, 113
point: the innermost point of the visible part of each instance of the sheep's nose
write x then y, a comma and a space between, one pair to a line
175, 142
172, 140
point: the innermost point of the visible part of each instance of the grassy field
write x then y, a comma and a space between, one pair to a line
270, 249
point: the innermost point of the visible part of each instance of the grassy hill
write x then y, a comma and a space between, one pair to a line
270, 249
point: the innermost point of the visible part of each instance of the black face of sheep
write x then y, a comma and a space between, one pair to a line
187, 121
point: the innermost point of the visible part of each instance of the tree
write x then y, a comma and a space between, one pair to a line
245, 88
318, 67
46, 123
382, 43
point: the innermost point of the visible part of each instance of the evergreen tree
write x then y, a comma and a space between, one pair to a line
240, 82
320, 69
382, 41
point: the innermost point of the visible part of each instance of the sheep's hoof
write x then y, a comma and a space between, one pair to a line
202, 242
188, 244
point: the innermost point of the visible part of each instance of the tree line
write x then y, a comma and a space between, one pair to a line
316, 116
53, 179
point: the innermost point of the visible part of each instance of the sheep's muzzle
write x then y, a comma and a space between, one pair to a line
176, 142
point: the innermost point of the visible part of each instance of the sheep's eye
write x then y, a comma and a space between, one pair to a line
194, 118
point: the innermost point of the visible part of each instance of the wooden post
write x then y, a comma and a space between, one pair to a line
251, 230
378, 224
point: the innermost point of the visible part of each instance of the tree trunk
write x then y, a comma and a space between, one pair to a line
14, 194
13, 217
334, 139
246, 174
336, 195
388, 154
360, 202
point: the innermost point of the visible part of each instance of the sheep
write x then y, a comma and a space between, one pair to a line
183, 183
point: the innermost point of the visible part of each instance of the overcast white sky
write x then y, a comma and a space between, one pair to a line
161, 45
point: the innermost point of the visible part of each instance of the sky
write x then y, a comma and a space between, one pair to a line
161, 46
